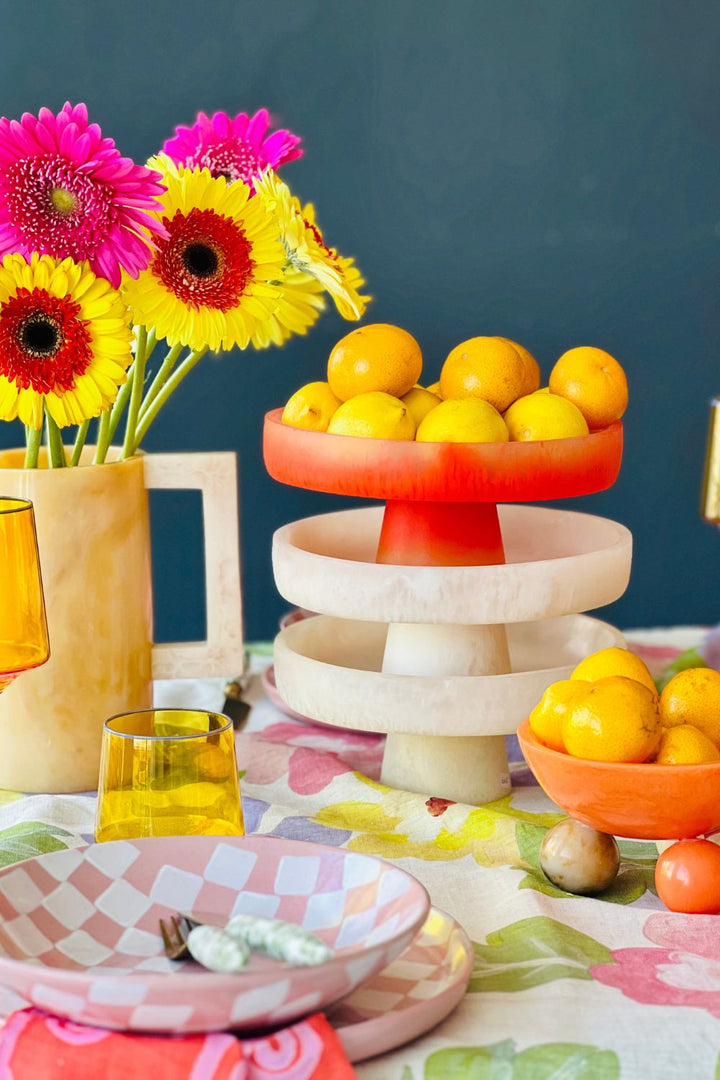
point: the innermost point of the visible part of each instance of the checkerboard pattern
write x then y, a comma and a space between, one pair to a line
79, 928
438, 958
415, 992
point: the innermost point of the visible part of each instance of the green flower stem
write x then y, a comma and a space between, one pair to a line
119, 407
33, 439
150, 344
79, 442
55, 444
173, 382
138, 385
160, 379
103, 437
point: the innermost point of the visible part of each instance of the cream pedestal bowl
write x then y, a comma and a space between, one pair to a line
445, 660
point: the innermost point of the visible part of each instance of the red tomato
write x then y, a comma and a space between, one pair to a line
687, 877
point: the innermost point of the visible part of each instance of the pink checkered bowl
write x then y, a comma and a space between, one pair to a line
79, 930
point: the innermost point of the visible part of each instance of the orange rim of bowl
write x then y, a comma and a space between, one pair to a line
526, 736
442, 472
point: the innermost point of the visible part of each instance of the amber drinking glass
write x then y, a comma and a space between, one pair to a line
168, 772
23, 628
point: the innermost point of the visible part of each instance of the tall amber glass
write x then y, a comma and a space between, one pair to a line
168, 772
23, 627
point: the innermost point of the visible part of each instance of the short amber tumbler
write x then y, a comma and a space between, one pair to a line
168, 772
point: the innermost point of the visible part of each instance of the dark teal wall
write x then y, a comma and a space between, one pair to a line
548, 171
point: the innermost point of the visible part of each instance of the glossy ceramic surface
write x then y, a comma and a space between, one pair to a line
79, 929
409, 997
648, 802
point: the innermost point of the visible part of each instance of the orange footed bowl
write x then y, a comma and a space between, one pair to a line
646, 802
442, 472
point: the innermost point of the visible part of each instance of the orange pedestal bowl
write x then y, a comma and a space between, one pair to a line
441, 497
647, 802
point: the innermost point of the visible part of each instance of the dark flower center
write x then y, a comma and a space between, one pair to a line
44, 344
206, 260
200, 260
39, 336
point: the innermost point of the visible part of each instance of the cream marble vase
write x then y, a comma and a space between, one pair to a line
94, 541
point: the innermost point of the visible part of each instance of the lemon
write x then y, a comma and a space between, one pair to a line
693, 697
484, 367
685, 745
532, 368
614, 661
434, 388
594, 381
311, 407
547, 717
375, 357
614, 719
373, 416
420, 401
544, 416
463, 420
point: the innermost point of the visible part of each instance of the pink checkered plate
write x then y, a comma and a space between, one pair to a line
418, 990
79, 929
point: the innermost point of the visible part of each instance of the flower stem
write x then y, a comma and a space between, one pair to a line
119, 407
103, 437
33, 438
138, 385
173, 382
160, 379
150, 344
55, 444
79, 442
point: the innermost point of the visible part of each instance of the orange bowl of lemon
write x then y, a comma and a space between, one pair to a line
647, 802
484, 431
618, 756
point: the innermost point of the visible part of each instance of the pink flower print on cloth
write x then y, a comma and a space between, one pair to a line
683, 970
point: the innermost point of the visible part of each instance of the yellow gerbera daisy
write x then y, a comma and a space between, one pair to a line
304, 245
208, 282
354, 281
298, 307
64, 341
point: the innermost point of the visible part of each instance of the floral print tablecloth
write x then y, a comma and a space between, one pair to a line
563, 987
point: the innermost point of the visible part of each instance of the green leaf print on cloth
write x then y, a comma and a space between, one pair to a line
548, 1061
532, 952
634, 878
29, 838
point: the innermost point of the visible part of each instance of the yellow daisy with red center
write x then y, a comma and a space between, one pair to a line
64, 341
213, 282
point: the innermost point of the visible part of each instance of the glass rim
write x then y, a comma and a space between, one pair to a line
167, 738
23, 504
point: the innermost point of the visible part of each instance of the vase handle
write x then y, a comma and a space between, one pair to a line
215, 475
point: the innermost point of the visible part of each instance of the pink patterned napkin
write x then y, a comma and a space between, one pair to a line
37, 1046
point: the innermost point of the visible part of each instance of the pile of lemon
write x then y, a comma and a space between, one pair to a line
609, 710
488, 391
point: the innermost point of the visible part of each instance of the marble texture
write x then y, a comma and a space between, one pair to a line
557, 562
331, 670
94, 541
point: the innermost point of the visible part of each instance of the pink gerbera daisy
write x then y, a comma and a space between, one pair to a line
237, 148
65, 191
